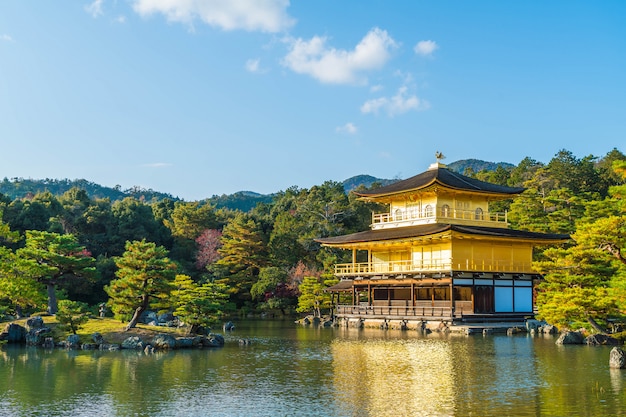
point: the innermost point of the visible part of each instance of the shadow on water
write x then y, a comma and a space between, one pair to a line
290, 370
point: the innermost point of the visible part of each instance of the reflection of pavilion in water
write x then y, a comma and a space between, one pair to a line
436, 375
394, 377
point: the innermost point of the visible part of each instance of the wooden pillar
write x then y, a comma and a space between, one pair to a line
412, 294
451, 297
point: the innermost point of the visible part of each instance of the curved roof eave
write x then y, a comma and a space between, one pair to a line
432, 229
444, 177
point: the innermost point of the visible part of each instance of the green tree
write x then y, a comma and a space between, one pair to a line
605, 168
243, 253
301, 215
576, 290
144, 280
72, 315
189, 220
186, 223
274, 290
56, 260
312, 294
23, 215
95, 226
587, 281
16, 285
198, 306
133, 220
75, 202
523, 172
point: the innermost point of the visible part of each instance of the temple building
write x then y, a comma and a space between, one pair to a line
438, 255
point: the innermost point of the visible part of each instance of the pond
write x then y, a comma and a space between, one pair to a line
291, 370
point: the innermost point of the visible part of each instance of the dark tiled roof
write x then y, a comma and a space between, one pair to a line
431, 229
443, 176
343, 285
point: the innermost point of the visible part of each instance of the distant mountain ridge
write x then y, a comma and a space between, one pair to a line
365, 180
18, 188
477, 165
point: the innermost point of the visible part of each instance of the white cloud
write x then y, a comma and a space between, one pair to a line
398, 104
376, 88
121, 19
6, 38
425, 48
334, 66
250, 15
157, 165
348, 128
253, 65
95, 8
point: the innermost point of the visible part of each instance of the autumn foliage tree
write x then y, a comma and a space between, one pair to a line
208, 244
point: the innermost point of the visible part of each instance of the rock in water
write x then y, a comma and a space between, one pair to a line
617, 358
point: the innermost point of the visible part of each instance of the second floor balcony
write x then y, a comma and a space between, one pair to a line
393, 268
438, 214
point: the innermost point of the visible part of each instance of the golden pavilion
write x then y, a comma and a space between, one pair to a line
438, 255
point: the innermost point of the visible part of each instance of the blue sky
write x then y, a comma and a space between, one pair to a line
197, 98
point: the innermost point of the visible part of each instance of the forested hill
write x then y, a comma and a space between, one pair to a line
476, 165
242, 200
365, 180
18, 188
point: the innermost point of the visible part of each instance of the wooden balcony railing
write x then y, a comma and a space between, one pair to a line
427, 309
416, 217
412, 267
390, 311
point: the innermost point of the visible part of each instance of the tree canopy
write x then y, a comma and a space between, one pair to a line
69, 240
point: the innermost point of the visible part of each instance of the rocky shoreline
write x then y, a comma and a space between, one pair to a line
37, 333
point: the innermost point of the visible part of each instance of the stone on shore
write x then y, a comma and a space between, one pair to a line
213, 340
601, 340
164, 342
133, 342
570, 338
13, 333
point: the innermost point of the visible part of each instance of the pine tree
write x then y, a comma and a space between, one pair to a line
144, 280
196, 305
72, 315
243, 253
312, 294
54, 259
586, 283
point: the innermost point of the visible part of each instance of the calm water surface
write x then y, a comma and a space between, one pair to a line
290, 370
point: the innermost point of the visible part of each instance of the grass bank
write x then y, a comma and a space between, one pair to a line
111, 330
